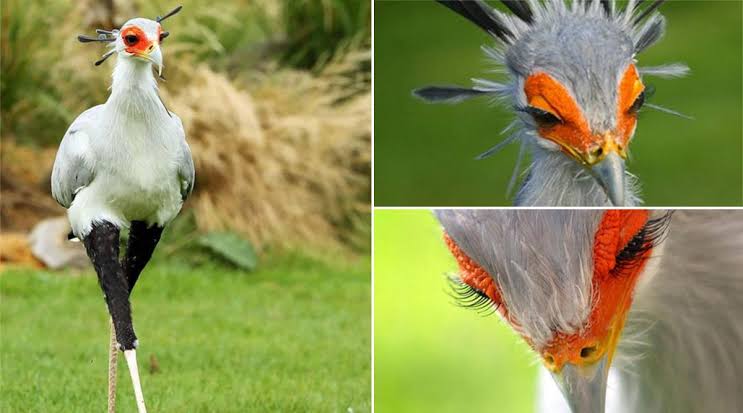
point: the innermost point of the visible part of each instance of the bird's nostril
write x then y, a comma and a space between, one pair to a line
549, 359
587, 352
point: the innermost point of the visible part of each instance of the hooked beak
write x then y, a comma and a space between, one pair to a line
153, 55
609, 173
584, 386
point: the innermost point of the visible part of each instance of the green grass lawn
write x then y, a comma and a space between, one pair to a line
424, 154
430, 355
291, 337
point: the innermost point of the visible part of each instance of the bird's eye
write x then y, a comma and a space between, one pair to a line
163, 35
542, 117
131, 39
638, 103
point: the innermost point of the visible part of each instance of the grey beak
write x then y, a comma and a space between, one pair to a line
584, 388
610, 174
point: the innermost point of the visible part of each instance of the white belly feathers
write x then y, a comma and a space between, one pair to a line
136, 178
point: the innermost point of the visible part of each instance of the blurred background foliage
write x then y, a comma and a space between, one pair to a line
424, 154
274, 96
430, 355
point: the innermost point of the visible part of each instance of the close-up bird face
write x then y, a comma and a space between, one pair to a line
564, 280
579, 90
140, 38
137, 39
574, 83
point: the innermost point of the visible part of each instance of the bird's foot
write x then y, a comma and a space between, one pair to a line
131, 361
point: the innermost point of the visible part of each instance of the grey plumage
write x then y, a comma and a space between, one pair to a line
72, 169
540, 261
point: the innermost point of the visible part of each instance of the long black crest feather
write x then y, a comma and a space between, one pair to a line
520, 8
645, 13
606, 4
101, 38
450, 94
481, 14
170, 14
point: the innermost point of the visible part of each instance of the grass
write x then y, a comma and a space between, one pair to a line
291, 337
431, 356
424, 153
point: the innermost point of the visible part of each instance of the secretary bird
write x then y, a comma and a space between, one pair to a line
121, 164
575, 88
649, 300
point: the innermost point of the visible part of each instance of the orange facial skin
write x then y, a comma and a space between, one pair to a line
573, 134
612, 286
612, 289
143, 44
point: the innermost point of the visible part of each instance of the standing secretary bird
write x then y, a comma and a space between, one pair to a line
575, 89
649, 301
121, 164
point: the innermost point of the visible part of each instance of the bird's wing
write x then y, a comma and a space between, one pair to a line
186, 173
73, 166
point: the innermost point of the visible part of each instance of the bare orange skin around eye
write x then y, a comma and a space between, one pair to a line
143, 44
612, 291
546, 93
474, 275
630, 88
573, 135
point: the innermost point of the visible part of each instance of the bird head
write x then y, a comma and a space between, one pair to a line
574, 83
138, 38
579, 92
564, 280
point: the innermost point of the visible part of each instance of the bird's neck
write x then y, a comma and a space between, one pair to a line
134, 96
680, 348
556, 180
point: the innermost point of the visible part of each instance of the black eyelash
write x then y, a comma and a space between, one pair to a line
467, 296
542, 117
651, 235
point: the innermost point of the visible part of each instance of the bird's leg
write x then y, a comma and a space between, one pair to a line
113, 352
102, 245
131, 361
139, 249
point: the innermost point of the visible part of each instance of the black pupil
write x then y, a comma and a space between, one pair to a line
543, 117
131, 39
638, 102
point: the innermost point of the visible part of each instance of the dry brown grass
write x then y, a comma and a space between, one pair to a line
281, 156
